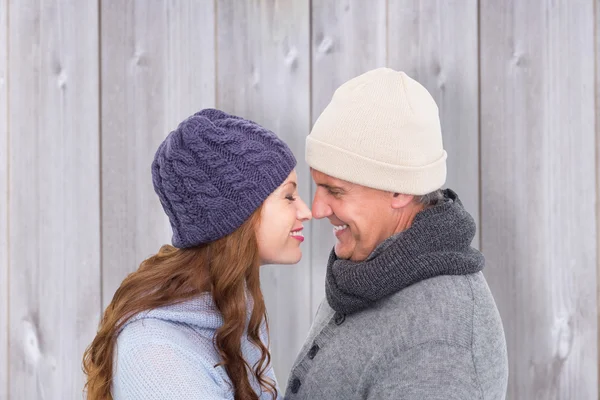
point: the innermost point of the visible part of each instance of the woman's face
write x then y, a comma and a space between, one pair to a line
280, 231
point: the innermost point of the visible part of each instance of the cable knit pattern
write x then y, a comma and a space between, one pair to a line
168, 353
213, 171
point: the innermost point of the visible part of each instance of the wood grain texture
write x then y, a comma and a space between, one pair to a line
597, 113
3, 199
54, 283
436, 43
348, 39
538, 174
157, 69
263, 74
77, 99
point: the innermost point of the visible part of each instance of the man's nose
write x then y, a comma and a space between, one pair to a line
320, 208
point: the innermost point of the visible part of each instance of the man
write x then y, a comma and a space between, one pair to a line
408, 314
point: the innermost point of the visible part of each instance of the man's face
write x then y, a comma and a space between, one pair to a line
362, 217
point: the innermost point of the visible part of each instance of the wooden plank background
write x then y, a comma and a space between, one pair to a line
597, 37
3, 199
89, 89
54, 274
538, 174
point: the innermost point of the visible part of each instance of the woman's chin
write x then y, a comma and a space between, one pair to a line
290, 258
296, 259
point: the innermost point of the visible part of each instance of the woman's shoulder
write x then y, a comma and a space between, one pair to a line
160, 354
189, 326
145, 334
199, 311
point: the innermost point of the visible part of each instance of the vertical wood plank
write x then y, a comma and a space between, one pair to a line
538, 174
263, 75
436, 44
157, 69
54, 206
3, 199
597, 114
348, 39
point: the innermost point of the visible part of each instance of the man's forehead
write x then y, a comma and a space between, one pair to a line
323, 179
329, 182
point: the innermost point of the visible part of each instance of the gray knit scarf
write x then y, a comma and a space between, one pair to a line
437, 243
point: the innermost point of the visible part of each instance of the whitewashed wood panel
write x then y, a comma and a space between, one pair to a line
537, 175
436, 43
348, 39
263, 74
3, 200
157, 69
597, 113
54, 283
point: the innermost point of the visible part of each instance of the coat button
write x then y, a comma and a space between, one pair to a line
313, 351
296, 385
339, 318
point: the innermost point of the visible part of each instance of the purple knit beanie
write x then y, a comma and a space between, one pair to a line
214, 171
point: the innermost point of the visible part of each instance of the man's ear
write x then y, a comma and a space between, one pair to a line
400, 200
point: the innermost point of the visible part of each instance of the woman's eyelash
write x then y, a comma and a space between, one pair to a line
290, 197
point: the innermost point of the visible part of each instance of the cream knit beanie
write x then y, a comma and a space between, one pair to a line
380, 130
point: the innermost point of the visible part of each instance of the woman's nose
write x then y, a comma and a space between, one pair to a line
304, 213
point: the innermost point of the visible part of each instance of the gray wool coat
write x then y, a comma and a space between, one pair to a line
439, 339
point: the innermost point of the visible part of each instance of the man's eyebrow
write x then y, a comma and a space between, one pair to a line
328, 187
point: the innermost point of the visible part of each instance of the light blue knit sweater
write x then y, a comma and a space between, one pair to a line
168, 353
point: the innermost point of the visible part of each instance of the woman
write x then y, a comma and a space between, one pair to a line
190, 323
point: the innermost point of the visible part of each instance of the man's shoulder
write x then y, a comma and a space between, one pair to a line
443, 309
440, 310
440, 294
456, 289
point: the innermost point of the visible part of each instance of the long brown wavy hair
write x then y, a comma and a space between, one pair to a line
225, 267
